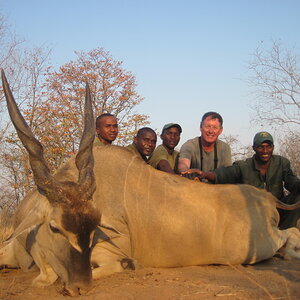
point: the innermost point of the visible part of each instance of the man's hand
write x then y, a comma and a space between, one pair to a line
194, 174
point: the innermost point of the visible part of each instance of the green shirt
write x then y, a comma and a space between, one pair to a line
97, 142
133, 149
279, 175
191, 150
161, 153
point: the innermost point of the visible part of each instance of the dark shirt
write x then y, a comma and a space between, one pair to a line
279, 175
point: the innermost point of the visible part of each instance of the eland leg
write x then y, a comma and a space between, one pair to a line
47, 275
292, 246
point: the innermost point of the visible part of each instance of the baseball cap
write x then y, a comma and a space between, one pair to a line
262, 137
170, 125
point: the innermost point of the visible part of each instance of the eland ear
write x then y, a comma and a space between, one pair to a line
35, 217
104, 222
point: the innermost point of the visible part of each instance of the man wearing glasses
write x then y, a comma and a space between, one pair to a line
207, 152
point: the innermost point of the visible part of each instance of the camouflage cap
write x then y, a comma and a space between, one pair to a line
170, 125
262, 137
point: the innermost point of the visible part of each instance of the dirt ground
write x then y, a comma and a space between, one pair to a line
272, 279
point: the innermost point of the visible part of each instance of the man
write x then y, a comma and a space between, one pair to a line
144, 143
106, 129
264, 170
165, 157
206, 152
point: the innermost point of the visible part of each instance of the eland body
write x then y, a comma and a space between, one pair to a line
148, 218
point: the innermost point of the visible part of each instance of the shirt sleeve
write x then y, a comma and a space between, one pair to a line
231, 174
186, 151
157, 156
227, 156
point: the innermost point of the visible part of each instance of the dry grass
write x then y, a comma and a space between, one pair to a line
6, 228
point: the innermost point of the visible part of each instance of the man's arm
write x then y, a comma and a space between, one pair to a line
210, 176
184, 169
163, 165
231, 174
183, 164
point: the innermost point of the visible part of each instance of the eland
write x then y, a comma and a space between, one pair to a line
148, 217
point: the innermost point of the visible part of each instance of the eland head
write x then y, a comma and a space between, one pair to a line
63, 229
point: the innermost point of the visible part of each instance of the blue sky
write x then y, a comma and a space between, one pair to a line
189, 57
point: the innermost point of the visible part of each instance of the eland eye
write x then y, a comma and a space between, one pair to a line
54, 229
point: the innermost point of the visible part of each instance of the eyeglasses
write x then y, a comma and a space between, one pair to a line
210, 127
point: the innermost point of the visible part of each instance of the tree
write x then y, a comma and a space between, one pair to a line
113, 90
32, 65
52, 104
11, 178
9, 51
289, 148
276, 83
238, 151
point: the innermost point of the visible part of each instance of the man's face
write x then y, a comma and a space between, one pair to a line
264, 152
210, 130
146, 143
107, 129
171, 137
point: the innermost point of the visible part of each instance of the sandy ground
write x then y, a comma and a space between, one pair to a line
272, 279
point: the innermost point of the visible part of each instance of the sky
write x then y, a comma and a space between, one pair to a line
188, 57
